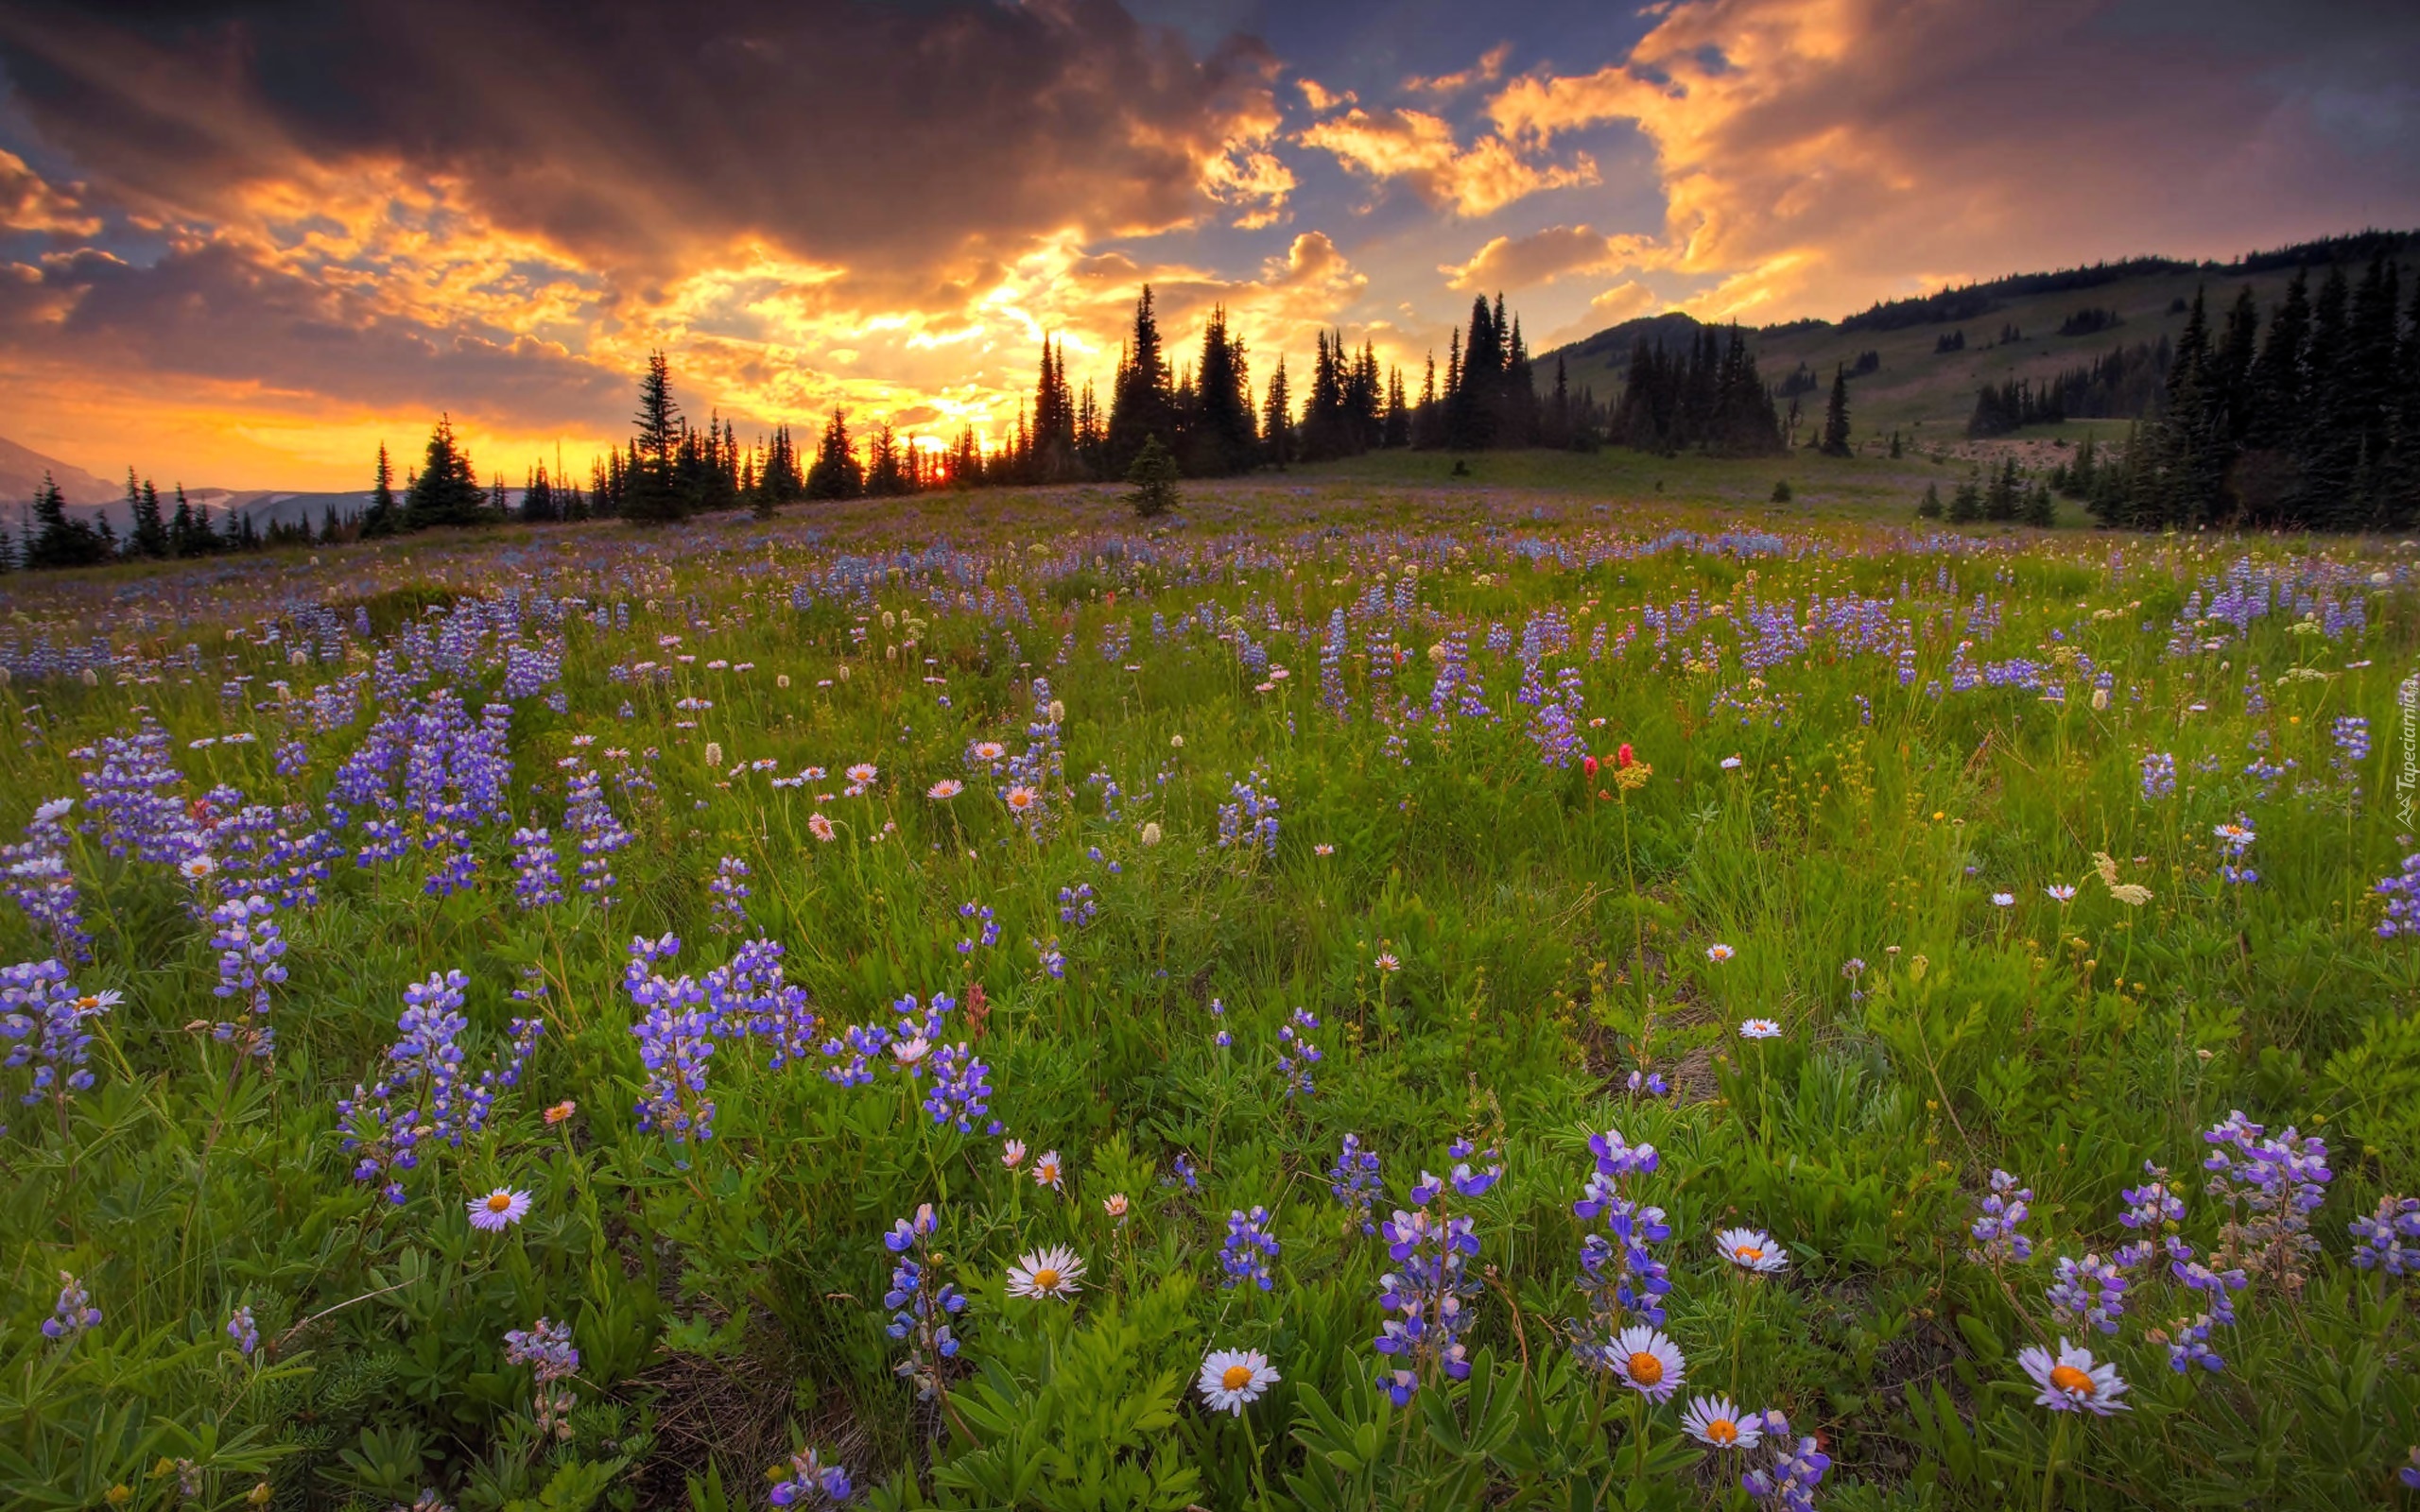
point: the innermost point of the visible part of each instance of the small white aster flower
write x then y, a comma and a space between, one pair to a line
1047, 1172
1715, 1422
947, 787
2003, 899
2060, 892
1751, 1250
1759, 1029
1731, 763
2071, 1382
1647, 1362
1053, 1272
1232, 1379
1718, 953
499, 1209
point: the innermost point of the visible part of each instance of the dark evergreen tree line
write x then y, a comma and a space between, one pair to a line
2126, 384
1707, 397
2310, 420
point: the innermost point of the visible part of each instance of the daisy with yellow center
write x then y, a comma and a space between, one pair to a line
1047, 1274
947, 787
989, 750
1231, 1379
2071, 1382
1751, 1250
1047, 1172
1022, 799
1647, 1363
1716, 1423
820, 827
499, 1209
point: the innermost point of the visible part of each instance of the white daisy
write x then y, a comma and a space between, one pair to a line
1231, 1379
499, 1209
1759, 1029
1047, 1172
2071, 1382
1751, 1250
1647, 1362
1718, 953
1714, 1421
1046, 1273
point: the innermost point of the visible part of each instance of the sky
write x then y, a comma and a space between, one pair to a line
241, 244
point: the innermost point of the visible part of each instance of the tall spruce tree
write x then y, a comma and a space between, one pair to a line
148, 534
1143, 403
57, 539
446, 492
2327, 446
1223, 437
1836, 417
383, 516
1277, 420
837, 474
651, 492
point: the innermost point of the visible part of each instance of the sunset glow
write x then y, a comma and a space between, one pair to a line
242, 252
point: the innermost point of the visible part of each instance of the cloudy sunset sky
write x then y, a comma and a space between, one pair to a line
240, 244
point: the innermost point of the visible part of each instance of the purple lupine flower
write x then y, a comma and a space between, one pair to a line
2159, 776
811, 1483
36, 878
425, 1093
46, 1017
961, 1088
1248, 824
1431, 1246
1620, 1273
676, 1033
920, 1309
1353, 1180
537, 872
2271, 1185
74, 1312
1247, 1249
1787, 1485
251, 961
1296, 1055
2388, 1240
2402, 893
2090, 1289
1332, 694
1997, 1239
547, 1351
246, 1334
731, 894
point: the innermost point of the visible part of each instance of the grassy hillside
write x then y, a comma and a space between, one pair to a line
1928, 397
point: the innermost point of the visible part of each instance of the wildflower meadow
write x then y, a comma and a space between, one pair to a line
1300, 1002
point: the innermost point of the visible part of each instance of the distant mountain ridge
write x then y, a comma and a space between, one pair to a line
1915, 365
20, 474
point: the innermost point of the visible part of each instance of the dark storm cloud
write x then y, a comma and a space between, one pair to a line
883, 138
